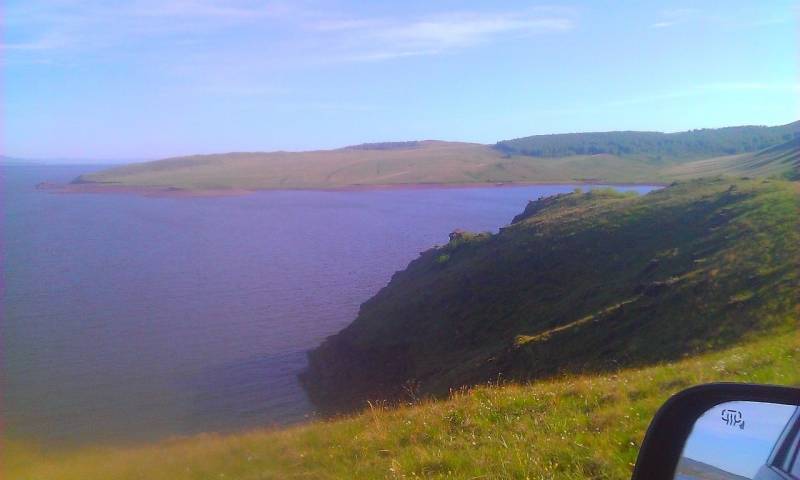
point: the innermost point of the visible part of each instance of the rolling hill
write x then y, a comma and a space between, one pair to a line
584, 282
778, 160
612, 157
406, 163
707, 142
403, 163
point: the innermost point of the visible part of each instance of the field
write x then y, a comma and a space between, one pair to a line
573, 427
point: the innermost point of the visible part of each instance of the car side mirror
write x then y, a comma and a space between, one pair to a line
724, 431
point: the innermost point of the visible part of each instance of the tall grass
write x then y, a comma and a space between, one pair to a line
574, 427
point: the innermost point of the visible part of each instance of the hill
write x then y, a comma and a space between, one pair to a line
386, 164
574, 427
372, 164
584, 282
707, 142
616, 157
778, 160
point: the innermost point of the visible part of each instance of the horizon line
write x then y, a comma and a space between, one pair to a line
70, 160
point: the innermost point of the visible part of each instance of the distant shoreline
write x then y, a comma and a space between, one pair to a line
174, 192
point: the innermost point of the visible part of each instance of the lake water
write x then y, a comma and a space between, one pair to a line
126, 318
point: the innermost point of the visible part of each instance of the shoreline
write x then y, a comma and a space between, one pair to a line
175, 192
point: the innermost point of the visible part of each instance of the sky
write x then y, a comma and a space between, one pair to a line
145, 79
736, 450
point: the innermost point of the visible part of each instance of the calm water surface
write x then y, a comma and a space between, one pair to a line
127, 318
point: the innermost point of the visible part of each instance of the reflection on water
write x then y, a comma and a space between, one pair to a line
128, 318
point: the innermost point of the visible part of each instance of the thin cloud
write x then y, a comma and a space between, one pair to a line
97, 24
199, 8
435, 34
676, 16
729, 18
662, 24
455, 31
306, 33
378, 56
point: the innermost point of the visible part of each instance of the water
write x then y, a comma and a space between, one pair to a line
128, 318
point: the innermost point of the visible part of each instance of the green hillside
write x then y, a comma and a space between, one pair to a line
584, 282
621, 157
779, 160
707, 142
574, 427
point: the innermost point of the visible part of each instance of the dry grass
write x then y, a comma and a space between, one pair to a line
429, 163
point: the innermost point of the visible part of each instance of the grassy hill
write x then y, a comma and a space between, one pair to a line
707, 142
641, 157
573, 427
402, 163
779, 160
584, 282
407, 162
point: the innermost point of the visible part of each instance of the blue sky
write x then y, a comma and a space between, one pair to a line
154, 78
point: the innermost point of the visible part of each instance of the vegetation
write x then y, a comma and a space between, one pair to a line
636, 157
780, 160
573, 427
581, 282
379, 164
707, 142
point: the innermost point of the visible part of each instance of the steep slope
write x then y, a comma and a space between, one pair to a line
578, 427
579, 282
779, 160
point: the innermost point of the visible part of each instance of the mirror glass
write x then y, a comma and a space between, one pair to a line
743, 440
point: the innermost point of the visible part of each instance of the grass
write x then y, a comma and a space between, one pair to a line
426, 162
581, 282
572, 427
780, 160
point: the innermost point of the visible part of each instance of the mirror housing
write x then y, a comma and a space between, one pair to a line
671, 426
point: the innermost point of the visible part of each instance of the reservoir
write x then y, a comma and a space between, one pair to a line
128, 318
